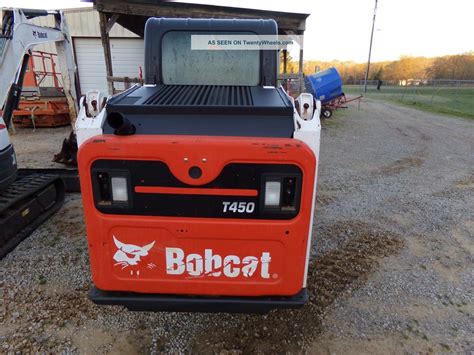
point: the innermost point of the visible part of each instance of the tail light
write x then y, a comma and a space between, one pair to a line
119, 189
272, 193
111, 188
281, 194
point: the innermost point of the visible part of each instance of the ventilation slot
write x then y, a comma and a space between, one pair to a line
201, 95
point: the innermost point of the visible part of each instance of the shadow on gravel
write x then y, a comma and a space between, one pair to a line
399, 166
466, 183
324, 198
459, 188
329, 276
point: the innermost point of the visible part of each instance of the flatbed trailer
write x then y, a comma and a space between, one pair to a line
341, 101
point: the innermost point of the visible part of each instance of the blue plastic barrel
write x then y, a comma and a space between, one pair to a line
325, 85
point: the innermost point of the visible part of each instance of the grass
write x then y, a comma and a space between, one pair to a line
454, 101
42, 280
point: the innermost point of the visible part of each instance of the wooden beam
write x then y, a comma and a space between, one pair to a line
287, 22
104, 36
288, 76
124, 79
300, 71
111, 22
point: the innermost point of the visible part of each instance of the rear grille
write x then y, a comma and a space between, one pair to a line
201, 95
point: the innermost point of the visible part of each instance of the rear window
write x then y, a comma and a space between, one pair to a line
183, 66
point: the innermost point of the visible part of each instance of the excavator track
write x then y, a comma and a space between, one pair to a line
25, 204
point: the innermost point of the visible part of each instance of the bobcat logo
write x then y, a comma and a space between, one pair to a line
129, 254
39, 34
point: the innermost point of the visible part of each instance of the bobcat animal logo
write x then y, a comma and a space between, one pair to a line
129, 254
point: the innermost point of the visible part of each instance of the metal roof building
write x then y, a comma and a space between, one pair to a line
133, 15
108, 38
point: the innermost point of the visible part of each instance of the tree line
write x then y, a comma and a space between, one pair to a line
454, 67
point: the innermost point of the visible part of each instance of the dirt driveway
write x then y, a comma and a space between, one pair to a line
392, 261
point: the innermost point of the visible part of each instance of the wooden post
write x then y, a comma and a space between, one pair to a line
300, 71
126, 83
104, 35
68, 68
285, 69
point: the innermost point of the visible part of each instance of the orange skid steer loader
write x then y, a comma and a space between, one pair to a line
199, 186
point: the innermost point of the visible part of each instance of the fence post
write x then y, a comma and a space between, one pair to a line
432, 93
404, 90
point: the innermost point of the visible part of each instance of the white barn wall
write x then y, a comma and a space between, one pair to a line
84, 24
127, 57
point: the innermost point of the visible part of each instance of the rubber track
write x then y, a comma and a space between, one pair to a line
19, 194
69, 176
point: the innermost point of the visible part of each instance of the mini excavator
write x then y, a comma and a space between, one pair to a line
27, 201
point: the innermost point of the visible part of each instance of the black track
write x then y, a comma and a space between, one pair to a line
69, 176
25, 204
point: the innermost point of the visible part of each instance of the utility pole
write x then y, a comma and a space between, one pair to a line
370, 48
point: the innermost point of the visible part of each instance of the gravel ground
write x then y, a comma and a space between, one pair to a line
36, 148
392, 257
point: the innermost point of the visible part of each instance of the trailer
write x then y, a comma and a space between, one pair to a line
337, 103
326, 86
43, 102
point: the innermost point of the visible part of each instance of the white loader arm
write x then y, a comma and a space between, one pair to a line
16, 41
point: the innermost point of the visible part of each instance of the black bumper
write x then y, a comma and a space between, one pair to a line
8, 168
180, 303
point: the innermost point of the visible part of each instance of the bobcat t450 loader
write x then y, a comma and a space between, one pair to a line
199, 186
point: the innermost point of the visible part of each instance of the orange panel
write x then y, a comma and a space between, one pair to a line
189, 255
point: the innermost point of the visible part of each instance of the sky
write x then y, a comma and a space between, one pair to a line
340, 29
